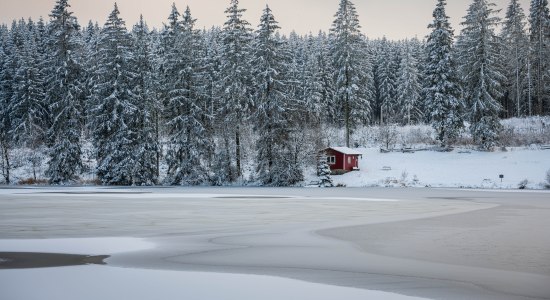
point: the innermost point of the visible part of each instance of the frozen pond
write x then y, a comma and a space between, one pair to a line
426, 243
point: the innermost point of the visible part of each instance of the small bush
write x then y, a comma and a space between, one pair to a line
339, 172
523, 184
32, 181
94, 181
548, 179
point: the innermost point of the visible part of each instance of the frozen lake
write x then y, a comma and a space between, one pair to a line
256, 243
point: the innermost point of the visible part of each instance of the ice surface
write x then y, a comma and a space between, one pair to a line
101, 282
90, 246
104, 282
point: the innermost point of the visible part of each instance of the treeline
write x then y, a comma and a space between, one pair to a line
180, 98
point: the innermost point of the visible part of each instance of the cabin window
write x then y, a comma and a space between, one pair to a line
331, 160
349, 160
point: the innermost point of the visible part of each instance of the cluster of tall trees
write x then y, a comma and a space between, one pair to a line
180, 99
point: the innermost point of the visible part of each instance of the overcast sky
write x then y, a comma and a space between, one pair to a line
395, 19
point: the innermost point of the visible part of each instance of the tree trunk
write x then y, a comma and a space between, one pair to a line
159, 147
6, 165
238, 150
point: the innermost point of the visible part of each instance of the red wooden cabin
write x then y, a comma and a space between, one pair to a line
343, 159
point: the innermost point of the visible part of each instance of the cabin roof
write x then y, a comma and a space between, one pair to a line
345, 150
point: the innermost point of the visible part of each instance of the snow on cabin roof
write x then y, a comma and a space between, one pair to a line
346, 150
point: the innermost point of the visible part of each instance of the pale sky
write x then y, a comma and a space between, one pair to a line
395, 19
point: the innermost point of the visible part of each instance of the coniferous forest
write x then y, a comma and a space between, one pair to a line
180, 105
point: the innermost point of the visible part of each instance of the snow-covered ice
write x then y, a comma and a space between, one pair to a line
105, 282
100, 282
90, 246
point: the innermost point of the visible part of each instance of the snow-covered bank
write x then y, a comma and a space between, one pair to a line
460, 169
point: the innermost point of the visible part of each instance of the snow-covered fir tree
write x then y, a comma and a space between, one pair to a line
146, 168
8, 67
64, 95
324, 75
168, 53
275, 163
188, 142
312, 83
324, 172
515, 49
350, 94
386, 78
235, 81
114, 108
539, 21
441, 87
408, 87
29, 112
480, 68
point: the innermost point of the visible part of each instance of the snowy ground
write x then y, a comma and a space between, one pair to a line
428, 243
457, 169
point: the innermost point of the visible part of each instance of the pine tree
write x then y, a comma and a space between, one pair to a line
235, 79
516, 53
442, 89
346, 55
188, 141
479, 57
64, 95
408, 87
540, 45
275, 164
114, 105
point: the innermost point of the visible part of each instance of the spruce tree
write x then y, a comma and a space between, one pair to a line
408, 87
275, 164
28, 109
324, 76
114, 107
324, 172
442, 90
387, 81
64, 95
346, 56
145, 120
8, 68
539, 21
187, 135
516, 53
481, 73
235, 80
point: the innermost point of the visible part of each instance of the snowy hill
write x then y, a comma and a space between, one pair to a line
460, 168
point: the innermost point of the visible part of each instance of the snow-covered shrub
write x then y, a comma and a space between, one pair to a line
415, 179
388, 136
548, 179
525, 131
404, 176
523, 184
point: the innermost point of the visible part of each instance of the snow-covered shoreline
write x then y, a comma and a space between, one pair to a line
460, 168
